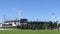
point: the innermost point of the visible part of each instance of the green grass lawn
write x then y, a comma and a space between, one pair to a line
29, 31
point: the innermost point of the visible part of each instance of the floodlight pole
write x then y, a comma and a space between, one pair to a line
53, 17
4, 18
19, 16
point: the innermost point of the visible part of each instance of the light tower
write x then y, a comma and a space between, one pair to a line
4, 18
20, 13
54, 18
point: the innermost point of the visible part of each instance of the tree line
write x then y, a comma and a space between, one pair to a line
40, 26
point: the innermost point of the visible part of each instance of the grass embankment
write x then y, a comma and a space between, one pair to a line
29, 31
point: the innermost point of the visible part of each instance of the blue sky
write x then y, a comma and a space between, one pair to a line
31, 9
